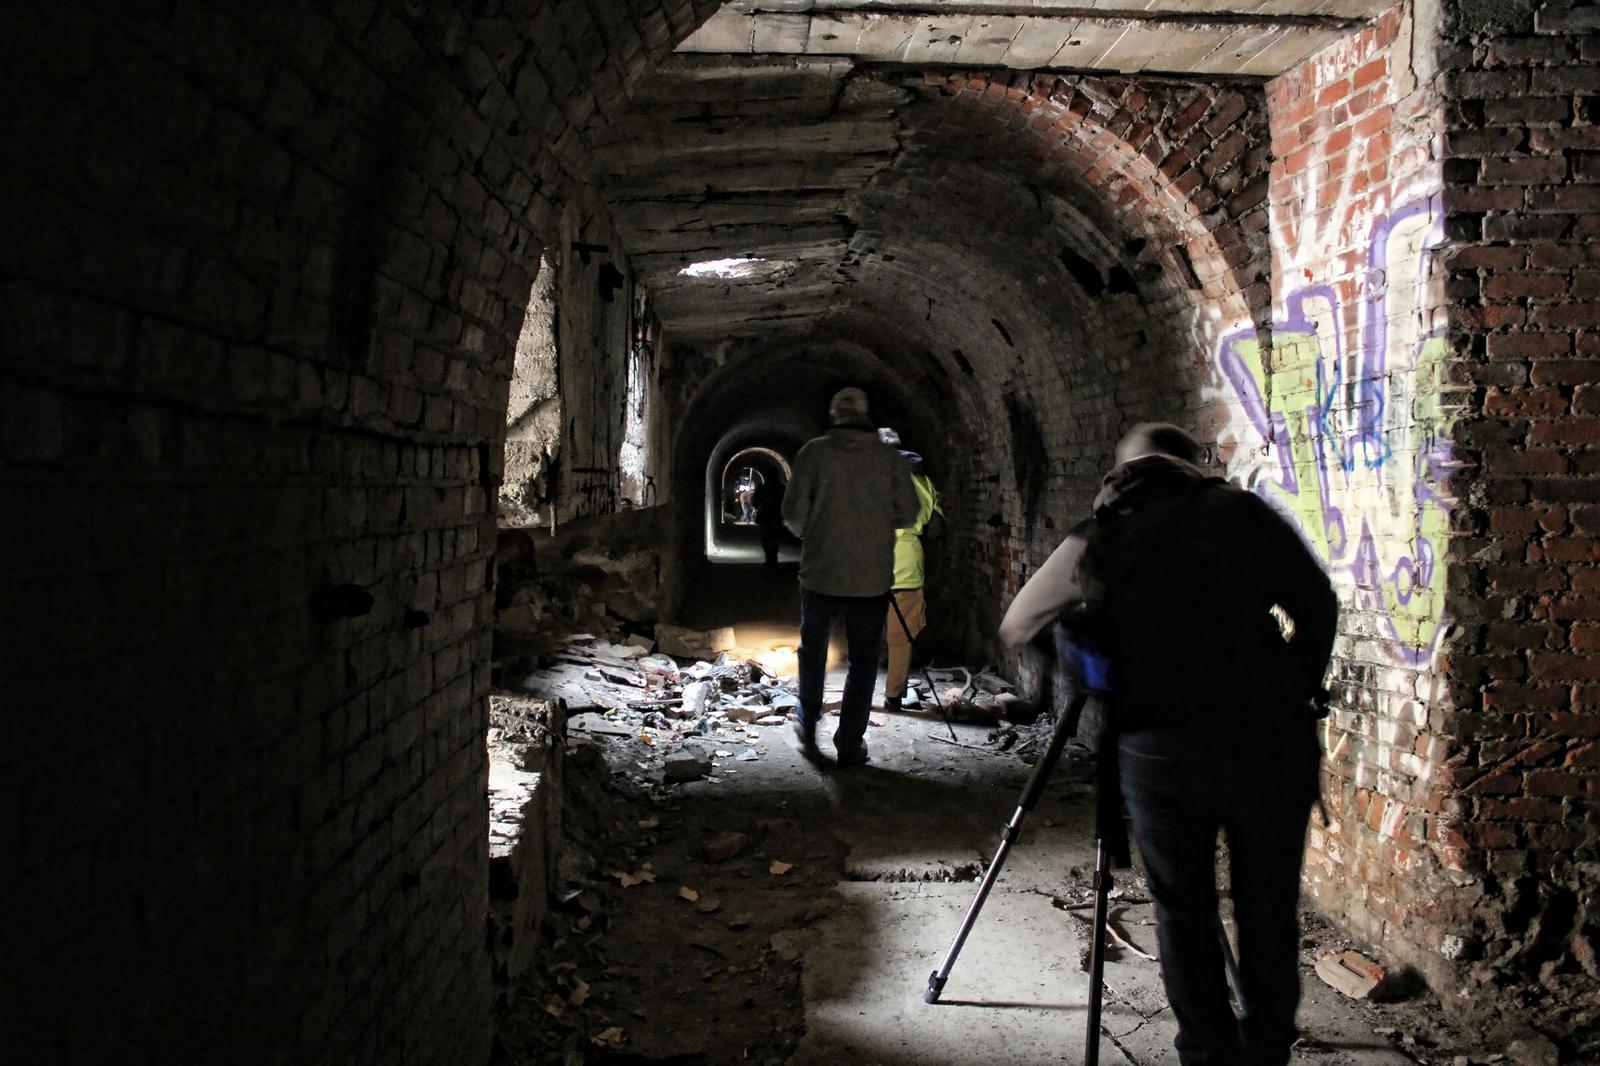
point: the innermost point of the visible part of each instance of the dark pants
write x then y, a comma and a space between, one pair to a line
771, 540
1182, 789
863, 632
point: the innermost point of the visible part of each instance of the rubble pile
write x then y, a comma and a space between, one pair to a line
593, 574
672, 717
984, 698
523, 732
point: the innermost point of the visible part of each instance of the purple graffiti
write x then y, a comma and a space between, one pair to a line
1375, 329
1361, 380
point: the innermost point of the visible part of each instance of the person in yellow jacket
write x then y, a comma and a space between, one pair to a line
908, 576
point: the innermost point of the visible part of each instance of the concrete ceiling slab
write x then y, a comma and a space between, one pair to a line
1357, 9
1252, 38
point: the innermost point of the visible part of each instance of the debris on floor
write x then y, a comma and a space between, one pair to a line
676, 923
676, 717
1351, 973
693, 643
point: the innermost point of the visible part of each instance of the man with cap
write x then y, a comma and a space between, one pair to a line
908, 614
847, 494
1216, 624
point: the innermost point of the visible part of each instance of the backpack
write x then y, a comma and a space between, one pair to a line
1182, 590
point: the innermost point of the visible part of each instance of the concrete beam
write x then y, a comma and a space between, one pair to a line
1204, 38
738, 144
1346, 10
822, 172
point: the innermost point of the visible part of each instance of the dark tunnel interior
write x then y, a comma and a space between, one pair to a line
359, 356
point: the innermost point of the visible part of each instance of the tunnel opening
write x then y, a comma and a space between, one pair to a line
744, 499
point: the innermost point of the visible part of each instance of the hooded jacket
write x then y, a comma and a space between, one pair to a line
847, 494
1206, 602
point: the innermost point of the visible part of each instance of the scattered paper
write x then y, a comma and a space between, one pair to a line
778, 869
688, 893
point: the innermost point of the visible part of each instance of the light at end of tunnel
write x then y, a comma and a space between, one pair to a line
739, 267
780, 661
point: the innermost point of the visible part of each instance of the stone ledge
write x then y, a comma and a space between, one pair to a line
525, 776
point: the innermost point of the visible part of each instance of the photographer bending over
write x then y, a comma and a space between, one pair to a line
1218, 624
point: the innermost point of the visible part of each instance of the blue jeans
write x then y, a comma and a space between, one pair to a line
863, 633
1181, 790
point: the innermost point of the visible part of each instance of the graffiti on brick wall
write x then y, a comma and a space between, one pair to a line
1342, 408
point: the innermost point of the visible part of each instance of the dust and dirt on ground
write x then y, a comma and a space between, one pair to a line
672, 938
696, 905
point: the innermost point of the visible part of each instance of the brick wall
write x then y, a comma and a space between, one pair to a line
259, 329
1521, 184
1340, 422
1133, 233
1423, 401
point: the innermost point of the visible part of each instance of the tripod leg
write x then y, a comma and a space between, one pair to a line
1065, 728
1097, 951
912, 640
1230, 966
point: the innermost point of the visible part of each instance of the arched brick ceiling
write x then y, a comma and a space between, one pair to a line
848, 182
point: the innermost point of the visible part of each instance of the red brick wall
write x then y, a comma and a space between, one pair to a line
1428, 380
1340, 422
1520, 192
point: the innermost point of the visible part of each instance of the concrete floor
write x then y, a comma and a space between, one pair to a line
919, 823
916, 827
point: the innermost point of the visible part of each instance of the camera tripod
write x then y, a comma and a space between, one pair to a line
1111, 852
911, 639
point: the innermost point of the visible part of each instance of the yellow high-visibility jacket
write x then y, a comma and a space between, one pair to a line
908, 570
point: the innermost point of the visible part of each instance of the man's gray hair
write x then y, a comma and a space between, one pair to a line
1157, 438
848, 405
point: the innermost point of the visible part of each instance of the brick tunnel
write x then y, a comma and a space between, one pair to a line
304, 305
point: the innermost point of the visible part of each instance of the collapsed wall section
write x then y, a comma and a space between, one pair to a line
533, 415
579, 438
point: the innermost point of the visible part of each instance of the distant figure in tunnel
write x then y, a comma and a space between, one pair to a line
746, 496
1218, 624
847, 495
768, 501
907, 623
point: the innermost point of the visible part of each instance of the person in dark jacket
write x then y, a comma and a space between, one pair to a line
768, 502
1217, 624
847, 494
